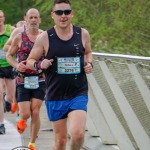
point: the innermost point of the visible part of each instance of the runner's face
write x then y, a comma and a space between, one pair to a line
32, 19
2, 18
62, 15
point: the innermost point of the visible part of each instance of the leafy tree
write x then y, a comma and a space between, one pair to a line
115, 26
15, 10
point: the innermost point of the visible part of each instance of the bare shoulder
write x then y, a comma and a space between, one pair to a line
41, 31
19, 29
84, 32
85, 37
17, 37
43, 36
41, 42
16, 31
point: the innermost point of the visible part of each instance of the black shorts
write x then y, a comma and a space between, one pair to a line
23, 94
7, 72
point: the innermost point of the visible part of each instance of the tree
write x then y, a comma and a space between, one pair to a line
115, 26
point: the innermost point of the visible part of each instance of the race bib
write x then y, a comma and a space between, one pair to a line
31, 82
68, 65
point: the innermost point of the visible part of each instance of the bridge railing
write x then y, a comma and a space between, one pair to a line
119, 100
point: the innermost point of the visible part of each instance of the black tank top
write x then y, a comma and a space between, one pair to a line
66, 78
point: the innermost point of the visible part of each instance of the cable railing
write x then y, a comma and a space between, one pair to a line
122, 57
119, 100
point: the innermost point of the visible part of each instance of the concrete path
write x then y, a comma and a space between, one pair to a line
11, 139
45, 137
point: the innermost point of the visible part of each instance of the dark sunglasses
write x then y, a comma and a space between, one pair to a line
60, 12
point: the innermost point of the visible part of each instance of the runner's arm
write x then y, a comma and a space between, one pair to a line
9, 41
40, 47
88, 52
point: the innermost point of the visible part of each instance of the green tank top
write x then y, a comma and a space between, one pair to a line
3, 39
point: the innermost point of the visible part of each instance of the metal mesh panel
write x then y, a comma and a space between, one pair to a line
126, 82
144, 70
102, 82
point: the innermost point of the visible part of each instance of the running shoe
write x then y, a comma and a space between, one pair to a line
7, 106
2, 129
14, 107
31, 147
18, 117
21, 126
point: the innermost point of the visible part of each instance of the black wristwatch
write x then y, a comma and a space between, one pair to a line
36, 65
91, 64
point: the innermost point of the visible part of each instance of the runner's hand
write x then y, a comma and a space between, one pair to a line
21, 67
87, 67
46, 63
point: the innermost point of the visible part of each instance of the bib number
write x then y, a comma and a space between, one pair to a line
31, 82
68, 65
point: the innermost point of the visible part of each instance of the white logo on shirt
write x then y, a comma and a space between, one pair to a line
76, 44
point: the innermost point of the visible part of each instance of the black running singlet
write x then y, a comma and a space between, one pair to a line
66, 78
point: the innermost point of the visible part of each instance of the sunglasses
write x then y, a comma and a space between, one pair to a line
60, 12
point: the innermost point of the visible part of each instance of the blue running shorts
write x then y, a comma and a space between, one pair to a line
59, 109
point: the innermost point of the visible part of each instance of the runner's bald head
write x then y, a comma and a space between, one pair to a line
32, 9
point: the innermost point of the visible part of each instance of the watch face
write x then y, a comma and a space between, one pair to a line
35, 66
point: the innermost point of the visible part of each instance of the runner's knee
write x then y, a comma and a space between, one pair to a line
35, 113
